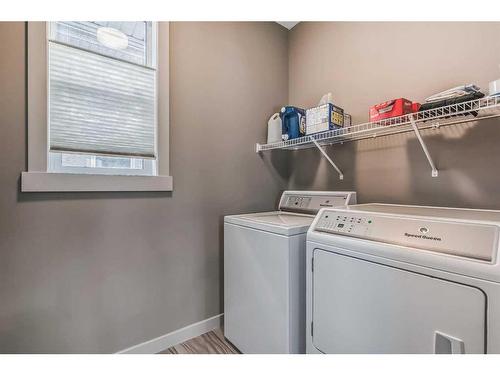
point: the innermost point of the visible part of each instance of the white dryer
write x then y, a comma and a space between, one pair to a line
403, 279
264, 272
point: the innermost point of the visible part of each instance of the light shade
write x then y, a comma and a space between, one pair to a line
112, 38
100, 105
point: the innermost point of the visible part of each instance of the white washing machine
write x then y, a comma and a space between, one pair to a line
403, 279
264, 272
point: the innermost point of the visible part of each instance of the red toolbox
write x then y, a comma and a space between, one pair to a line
391, 108
415, 107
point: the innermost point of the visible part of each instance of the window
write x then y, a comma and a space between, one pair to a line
93, 91
102, 84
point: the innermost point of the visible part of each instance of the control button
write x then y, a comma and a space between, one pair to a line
423, 230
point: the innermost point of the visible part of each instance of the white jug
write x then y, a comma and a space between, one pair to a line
274, 129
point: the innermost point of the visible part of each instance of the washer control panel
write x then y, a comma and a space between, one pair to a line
298, 201
310, 202
334, 222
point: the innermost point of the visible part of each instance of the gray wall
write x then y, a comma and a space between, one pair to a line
99, 272
367, 63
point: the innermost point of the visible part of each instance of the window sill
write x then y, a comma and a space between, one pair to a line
69, 182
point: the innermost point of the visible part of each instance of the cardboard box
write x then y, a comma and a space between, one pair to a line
324, 117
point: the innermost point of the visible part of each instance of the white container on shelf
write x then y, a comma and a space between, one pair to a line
495, 88
274, 129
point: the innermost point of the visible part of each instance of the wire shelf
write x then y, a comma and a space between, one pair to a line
473, 110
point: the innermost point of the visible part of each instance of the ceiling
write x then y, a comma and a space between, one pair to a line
288, 24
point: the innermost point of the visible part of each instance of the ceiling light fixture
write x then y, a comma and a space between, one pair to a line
112, 38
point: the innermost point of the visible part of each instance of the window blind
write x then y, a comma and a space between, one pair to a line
100, 105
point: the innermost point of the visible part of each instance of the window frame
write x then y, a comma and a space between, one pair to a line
38, 178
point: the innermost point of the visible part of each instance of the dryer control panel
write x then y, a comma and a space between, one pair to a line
340, 223
465, 239
310, 202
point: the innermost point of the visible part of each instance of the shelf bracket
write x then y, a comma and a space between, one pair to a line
341, 176
424, 147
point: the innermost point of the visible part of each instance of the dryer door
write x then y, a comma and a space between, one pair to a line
365, 307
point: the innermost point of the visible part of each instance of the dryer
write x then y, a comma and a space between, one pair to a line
264, 272
403, 279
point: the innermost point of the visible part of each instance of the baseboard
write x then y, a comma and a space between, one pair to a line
168, 340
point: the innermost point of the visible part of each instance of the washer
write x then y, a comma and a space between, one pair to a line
264, 272
403, 279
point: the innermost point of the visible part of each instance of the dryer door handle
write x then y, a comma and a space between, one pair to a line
446, 344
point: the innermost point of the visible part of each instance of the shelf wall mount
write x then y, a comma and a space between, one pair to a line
434, 172
323, 152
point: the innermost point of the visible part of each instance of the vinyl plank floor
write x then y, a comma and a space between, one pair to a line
212, 342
